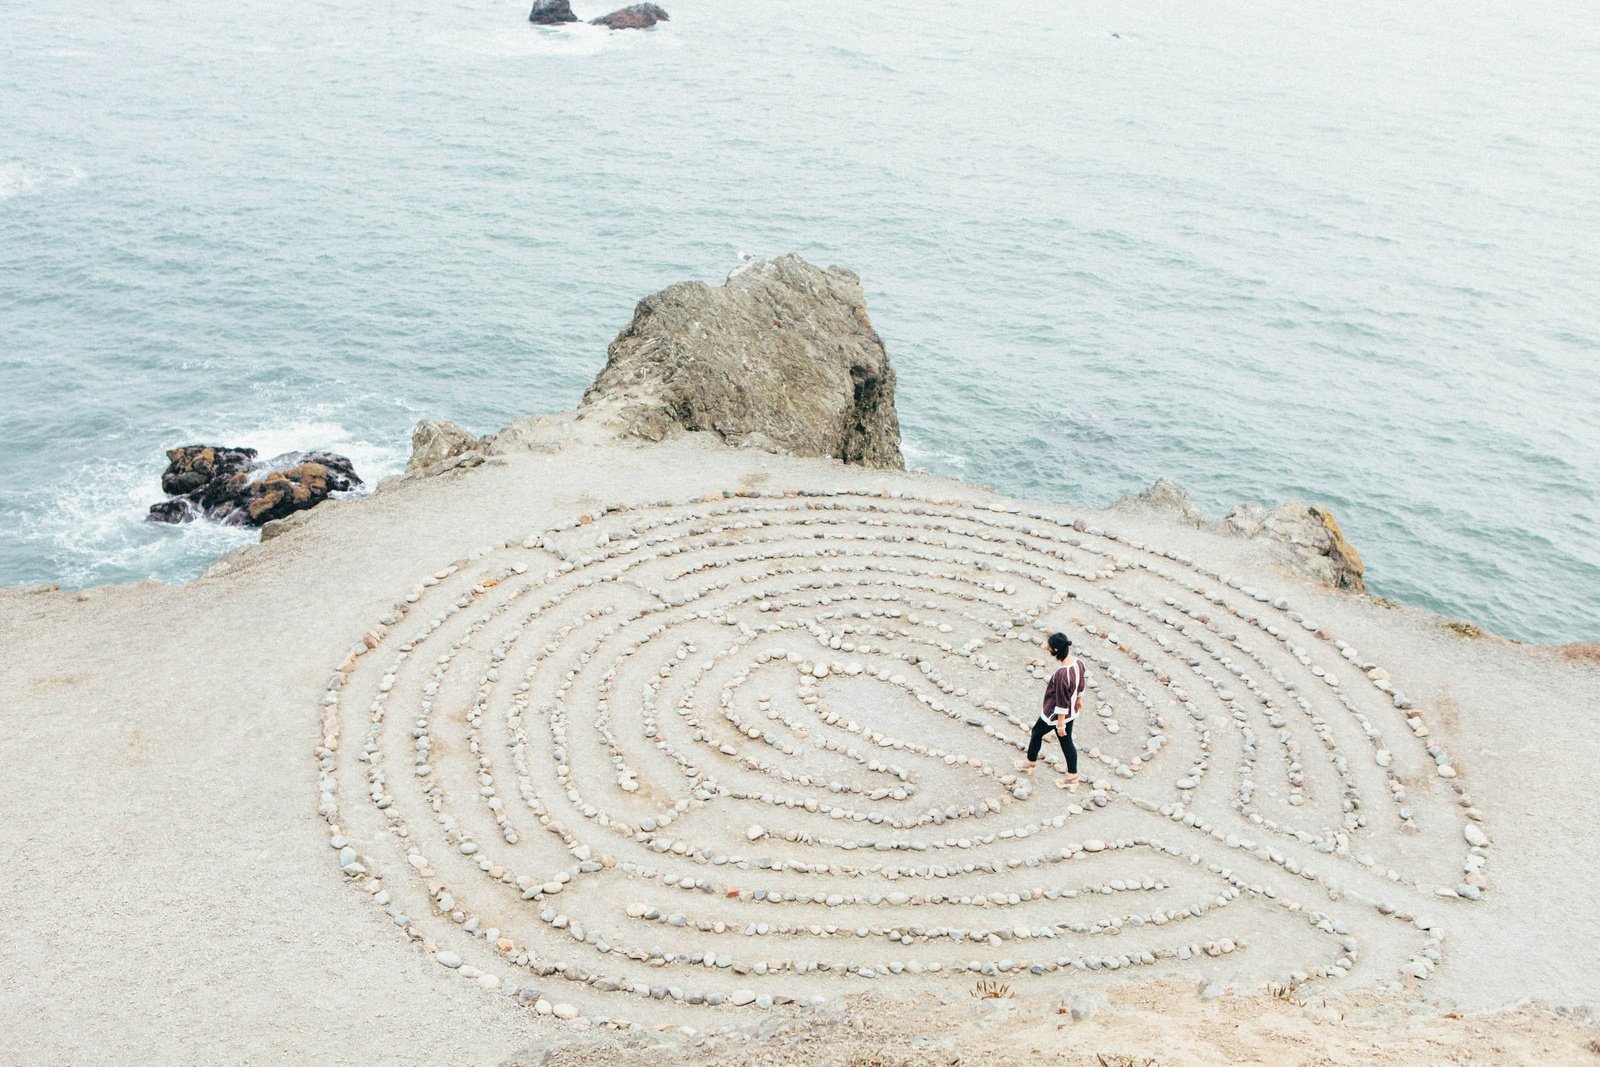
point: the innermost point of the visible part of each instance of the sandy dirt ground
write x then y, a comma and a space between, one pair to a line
168, 893
1144, 1026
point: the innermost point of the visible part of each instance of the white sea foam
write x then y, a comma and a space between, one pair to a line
921, 457
91, 528
93, 531
23, 179
373, 460
571, 39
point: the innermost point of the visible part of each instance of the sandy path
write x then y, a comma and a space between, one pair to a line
171, 896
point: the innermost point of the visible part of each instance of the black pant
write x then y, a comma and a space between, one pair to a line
1068, 749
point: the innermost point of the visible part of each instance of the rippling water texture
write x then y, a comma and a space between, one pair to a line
1344, 253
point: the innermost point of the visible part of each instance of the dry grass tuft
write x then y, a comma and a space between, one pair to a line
989, 989
1287, 991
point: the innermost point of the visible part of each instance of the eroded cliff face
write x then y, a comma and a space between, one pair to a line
782, 357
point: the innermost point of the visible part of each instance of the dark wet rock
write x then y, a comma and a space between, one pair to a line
551, 12
781, 357
632, 17
193, 467
178, 509
230, 486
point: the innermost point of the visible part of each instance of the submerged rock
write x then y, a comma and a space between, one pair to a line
632, 17
782, 356
230, 486
551, 12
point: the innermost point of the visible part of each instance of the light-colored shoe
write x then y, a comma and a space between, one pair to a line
1024, 766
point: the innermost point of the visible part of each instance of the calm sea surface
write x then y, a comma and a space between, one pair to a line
1338, 252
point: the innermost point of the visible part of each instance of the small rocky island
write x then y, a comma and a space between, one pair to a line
632, 17
232, 487
551, 12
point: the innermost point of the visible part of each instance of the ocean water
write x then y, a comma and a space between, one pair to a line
1346, 253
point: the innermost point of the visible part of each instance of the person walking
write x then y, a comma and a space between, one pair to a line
1063, 699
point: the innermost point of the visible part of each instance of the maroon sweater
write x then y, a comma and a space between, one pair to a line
1066, 685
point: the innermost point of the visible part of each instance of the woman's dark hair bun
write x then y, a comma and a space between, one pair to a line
1059, 644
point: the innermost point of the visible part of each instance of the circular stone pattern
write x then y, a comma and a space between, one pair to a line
756, 749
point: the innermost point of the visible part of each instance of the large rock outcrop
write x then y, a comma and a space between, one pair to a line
782, 356
1166, 497
551, 12
1316, 546
1312, 536
232, 487
632, 17
436, 443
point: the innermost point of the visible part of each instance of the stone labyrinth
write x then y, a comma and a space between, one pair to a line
682, 761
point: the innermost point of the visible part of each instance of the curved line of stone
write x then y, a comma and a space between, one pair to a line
850, 539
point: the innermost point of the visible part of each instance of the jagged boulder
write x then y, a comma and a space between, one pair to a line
229, 486
1312, 536
782, 356
632, 17
435, 442
551, 12
1316, 546
1167, 498
192, 467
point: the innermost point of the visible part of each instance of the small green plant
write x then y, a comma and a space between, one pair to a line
1463, 629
